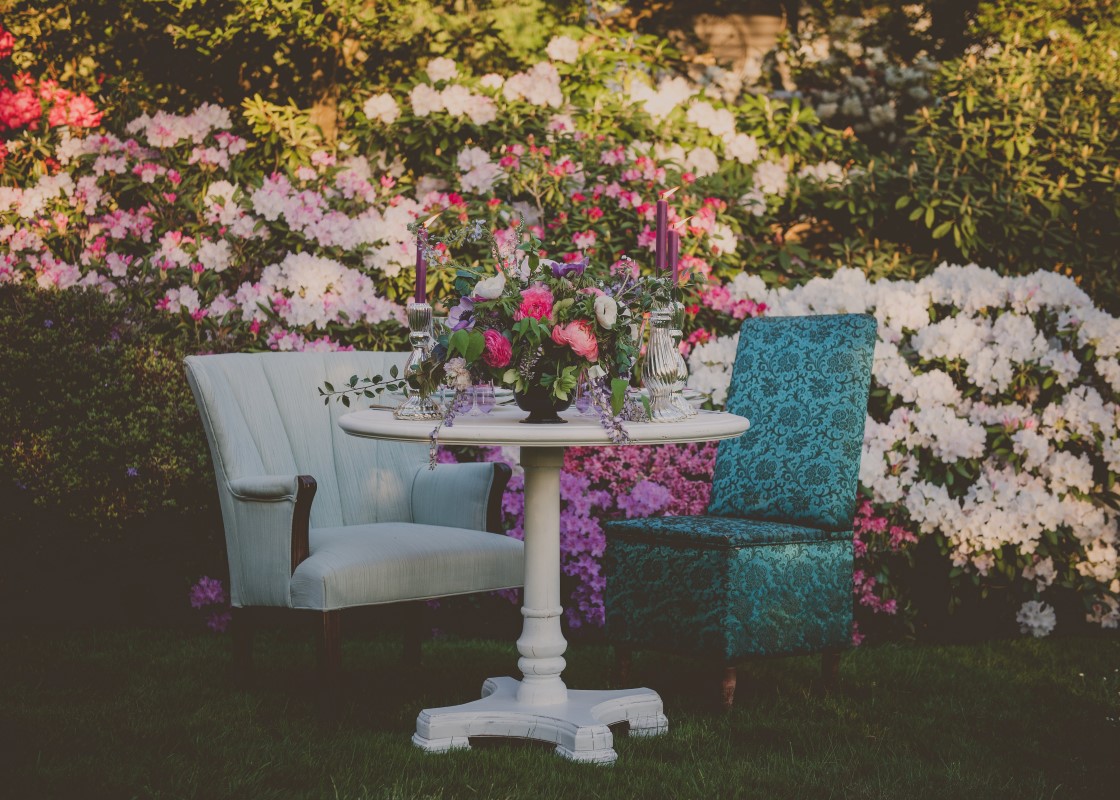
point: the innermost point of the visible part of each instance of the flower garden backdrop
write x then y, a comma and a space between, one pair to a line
959, 183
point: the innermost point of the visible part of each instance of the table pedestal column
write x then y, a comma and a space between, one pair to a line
540, 706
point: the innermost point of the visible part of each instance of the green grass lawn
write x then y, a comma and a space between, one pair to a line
151, 713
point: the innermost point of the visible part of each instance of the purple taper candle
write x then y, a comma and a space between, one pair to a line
661, 242
674, 243
421, 266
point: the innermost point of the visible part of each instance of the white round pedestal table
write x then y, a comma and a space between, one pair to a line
540, 706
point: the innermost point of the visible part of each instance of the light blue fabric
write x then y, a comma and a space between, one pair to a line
267, 424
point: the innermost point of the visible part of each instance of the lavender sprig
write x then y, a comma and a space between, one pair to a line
601, 400
448, 420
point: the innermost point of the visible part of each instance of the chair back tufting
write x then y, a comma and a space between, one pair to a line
803, 382
263, 416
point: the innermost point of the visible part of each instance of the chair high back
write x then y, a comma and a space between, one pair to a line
263, 415
803, 383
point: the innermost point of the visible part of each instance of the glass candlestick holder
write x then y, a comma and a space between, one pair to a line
419, 403
661, 371
676, 396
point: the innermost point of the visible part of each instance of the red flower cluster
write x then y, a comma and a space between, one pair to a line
24, 103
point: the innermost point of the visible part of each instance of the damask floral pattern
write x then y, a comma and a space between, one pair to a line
769, 570
803, 384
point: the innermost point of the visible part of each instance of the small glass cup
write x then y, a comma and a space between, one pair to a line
464, 402
484, 397
583, 397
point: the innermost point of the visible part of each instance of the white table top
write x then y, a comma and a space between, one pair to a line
503, 427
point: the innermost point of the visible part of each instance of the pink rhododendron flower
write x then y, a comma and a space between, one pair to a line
536, 302
7, 43
498, 350
208, 591
579, 336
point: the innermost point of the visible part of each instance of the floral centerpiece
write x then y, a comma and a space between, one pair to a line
545, 329
548, 329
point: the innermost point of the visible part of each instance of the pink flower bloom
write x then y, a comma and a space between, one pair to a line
208, 591
579, 336
536, 302
7, 43
498, 350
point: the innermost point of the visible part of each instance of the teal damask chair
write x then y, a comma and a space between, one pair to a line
768, 570
317, 521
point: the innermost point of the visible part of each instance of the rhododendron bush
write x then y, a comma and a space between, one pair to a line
994, 422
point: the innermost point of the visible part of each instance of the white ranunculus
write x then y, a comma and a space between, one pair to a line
606, 311
490, 288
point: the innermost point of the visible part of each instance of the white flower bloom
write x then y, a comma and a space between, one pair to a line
490, 288
606, 311
458, 374
563, 48
743, 148
1036, 618
425, 100
771, 178
702, 162
383, 108
442, 69
492, 80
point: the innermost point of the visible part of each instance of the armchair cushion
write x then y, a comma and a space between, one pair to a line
453, 494
393, 561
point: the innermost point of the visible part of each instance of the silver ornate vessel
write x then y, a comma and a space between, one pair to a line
677, 333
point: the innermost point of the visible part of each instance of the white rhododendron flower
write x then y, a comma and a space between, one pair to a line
383, 108
1036, 618
442, 69
563, 48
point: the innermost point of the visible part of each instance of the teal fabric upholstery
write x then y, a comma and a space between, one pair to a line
768, 570
383, 527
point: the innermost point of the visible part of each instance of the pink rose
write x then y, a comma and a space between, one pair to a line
536, 302
498, 350
578, 336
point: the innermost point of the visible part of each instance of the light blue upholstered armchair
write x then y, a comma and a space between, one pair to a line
383, 528
768, 570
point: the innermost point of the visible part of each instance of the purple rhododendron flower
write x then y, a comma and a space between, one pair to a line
559, 270
219, 621
645, 499
208, 591
462, 316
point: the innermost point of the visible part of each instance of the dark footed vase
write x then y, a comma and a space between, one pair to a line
543, 408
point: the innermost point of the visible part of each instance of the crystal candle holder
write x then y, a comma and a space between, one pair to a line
676, 396
660, 373
418, 403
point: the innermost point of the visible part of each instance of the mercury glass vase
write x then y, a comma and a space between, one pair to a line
418, 404
661, 370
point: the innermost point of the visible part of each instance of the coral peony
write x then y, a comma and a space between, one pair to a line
578, 336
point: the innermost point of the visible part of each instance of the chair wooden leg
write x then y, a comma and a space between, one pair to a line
727, 687
329, 646
830, 669
623, 664
414, 636
243, 628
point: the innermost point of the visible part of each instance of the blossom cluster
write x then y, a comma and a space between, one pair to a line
206, 594
995, 421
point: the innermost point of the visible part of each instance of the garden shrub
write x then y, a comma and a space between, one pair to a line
107, 477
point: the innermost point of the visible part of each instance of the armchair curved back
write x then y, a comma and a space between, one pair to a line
803, 383
264, 417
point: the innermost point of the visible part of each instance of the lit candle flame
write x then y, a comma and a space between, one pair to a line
680, 223
668, 192
428, 222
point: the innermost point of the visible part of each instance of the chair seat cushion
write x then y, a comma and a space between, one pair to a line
387, 562
718, 532
711, 586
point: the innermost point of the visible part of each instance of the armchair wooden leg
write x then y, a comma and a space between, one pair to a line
727, 687
830, 669
243, 628
329, 641
414, 635
623, 664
